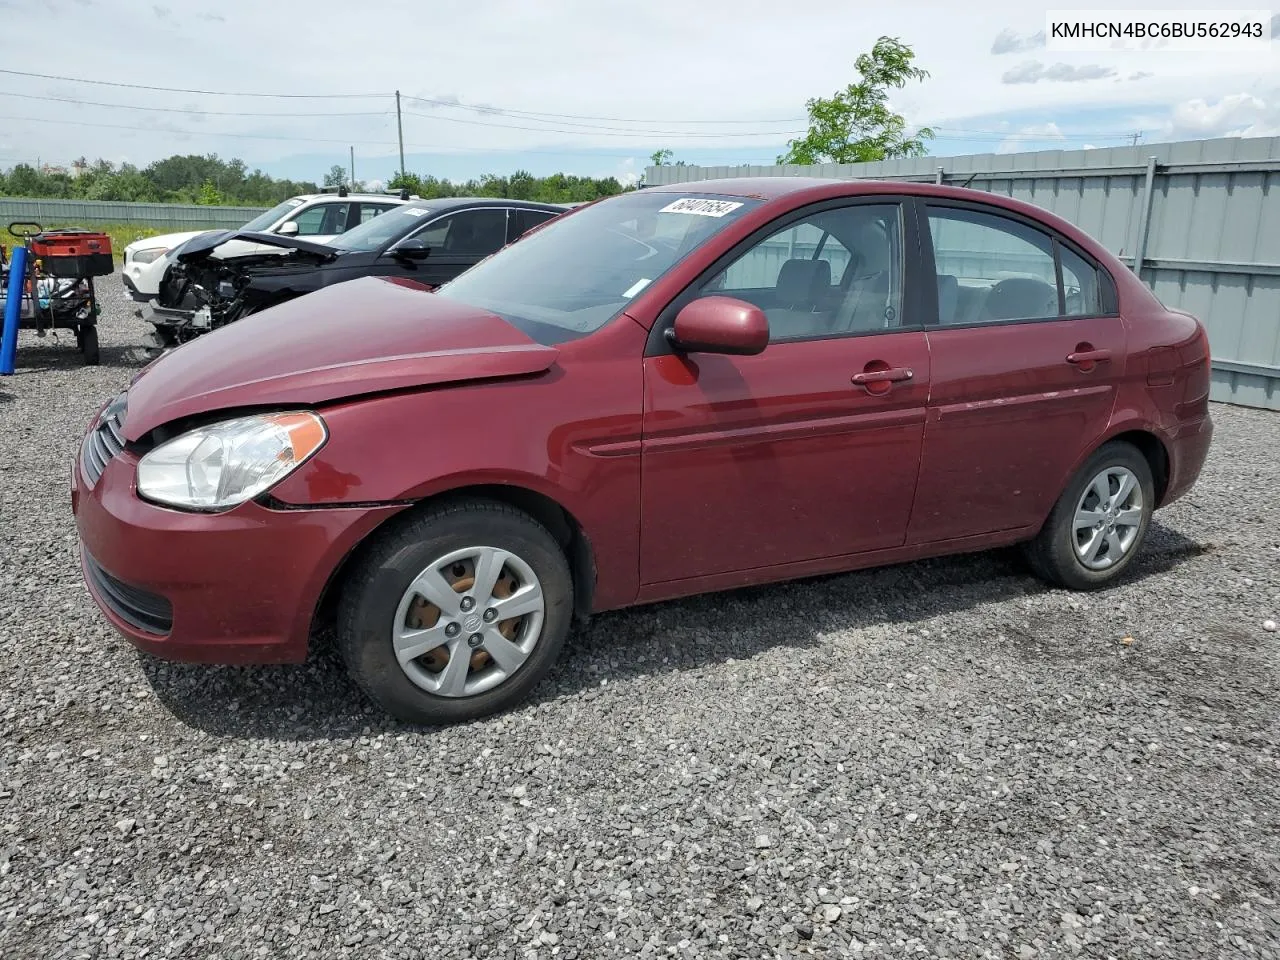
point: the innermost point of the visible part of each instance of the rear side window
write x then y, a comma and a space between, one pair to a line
993, 269
370, 210
1080, 285
324, 219
522, 221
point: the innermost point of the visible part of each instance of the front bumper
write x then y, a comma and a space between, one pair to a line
131, 291
233, 588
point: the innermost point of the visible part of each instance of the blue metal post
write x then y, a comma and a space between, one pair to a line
13, 310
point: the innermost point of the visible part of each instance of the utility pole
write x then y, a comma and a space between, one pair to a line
353, 168
1136, 137
400, 133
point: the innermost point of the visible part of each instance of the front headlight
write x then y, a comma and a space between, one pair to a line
222, 465
148, 256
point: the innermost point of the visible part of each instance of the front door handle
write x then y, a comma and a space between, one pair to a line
1089, 356
890, 375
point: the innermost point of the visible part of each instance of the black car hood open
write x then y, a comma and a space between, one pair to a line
202, 247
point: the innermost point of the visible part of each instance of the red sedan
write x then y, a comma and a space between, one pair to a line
677, 390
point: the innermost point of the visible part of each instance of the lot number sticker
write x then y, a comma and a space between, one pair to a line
701, 208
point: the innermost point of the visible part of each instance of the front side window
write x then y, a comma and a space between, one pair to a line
994, 269
468, 233
573, 275
838, 272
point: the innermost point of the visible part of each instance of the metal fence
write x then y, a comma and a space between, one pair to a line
162, 216
1199, 220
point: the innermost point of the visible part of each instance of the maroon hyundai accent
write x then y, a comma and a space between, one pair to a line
677, 390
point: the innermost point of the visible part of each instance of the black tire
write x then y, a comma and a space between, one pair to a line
88, 338
388, 565
1052, 553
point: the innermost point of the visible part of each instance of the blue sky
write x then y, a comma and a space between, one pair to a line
586, 87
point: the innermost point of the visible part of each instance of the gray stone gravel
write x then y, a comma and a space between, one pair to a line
942, 759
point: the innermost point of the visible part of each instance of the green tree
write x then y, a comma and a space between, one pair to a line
336, 176
855, 125
208, 195
660, 158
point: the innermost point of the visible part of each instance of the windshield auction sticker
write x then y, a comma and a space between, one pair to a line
701, 208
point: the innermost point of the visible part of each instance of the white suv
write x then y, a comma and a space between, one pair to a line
315, 216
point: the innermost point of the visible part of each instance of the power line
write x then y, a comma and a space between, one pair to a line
579, 116
606, 131
196, 133
192, 111
208, 93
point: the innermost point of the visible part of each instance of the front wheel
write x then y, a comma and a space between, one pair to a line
1099, 523
456, 613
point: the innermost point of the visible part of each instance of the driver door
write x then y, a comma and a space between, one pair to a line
784, 457
457, 241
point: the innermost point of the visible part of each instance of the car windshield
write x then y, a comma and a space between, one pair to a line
572, 276
264, 220
377, 233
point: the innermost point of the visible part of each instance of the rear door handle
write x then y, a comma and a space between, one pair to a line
892, 375
1089, 356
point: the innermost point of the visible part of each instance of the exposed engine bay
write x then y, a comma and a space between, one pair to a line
216, 280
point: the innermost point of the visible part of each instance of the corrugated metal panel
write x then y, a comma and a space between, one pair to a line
1212, 240
162, 216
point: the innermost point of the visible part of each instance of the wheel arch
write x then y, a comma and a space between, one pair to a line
560, 523
1153, 450
1146, 440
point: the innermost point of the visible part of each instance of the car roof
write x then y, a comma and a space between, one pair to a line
450, 203
803, 190
384, 197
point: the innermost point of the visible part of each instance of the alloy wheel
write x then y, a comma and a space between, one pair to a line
1108, 518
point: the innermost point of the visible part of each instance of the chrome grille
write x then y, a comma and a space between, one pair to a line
104, 441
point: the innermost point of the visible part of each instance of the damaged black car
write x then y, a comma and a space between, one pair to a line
217, 278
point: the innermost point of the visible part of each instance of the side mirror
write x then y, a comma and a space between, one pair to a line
720, 325
289, 229
412, 249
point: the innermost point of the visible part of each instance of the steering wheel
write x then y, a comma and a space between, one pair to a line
23, 234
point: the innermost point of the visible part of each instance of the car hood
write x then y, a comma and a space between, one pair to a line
166, 240
364, 336
204, 246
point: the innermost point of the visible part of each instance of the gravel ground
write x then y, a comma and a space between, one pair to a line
942, 759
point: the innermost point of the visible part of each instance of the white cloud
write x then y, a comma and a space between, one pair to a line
1010, 41
1031, 138
1033, 71
508, 55
1234, 115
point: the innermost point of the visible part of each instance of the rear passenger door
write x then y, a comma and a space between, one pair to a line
1027, 351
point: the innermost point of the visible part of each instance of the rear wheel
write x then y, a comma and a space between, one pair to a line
1099, 523
456, 613
88, 342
